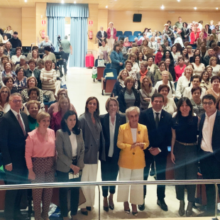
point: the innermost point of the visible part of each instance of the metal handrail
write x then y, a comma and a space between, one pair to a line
113, 183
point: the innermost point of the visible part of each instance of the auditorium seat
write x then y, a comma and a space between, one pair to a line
136, 33
119, 33
121, 37
131, 38
127, 33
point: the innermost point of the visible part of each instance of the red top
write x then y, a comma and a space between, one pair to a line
158, 57
194, 37
109, 33
179, 71
127, 44
55, 123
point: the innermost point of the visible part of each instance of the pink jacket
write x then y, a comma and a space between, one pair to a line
109, 33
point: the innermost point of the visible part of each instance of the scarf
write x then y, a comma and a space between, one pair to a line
142, 75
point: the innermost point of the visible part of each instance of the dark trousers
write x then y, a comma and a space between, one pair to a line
160, 166
186, 167
65, 61
63, 192
210, 168
13, 197
109, 171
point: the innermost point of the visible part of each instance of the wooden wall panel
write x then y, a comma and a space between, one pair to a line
123, 20
40, 14
103, 18
12, 17
28, 26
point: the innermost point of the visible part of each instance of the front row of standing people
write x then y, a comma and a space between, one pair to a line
127, 149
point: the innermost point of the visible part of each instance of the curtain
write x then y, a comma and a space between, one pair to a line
55, 27
78, 40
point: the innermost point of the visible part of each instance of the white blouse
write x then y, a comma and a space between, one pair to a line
198, 69
135, 68
216, 70
73, 144
15, 59
176, 56
182, 83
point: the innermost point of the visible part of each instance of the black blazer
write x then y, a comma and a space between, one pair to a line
185, 34
116, 89
215, 135
12, 140
37, 72
120, 120
161, 136
121, 99
99, 35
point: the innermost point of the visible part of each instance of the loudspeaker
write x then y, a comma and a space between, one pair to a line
137, 17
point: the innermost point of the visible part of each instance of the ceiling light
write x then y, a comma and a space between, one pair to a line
106, 6
178, 0
62, 1
195, 8
74, 2
25, 0
162, 7
216, 8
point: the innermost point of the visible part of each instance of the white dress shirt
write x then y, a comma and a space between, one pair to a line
154, 112
182, 83
112, 134
207, 131
134, 134
198, 69
73, 144
171, 93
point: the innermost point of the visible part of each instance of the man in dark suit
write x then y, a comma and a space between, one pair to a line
13, 130
101, 35
158, 124
109, 168
209, 144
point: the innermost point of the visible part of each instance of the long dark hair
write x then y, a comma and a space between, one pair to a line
64, 126
164, 56
179, 104
88, 100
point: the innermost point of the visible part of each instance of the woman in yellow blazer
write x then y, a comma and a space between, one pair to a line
132, 140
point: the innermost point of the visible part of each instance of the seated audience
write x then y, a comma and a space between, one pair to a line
146, 92
144, 72
159, 55
205, 80
151, 66
117, 58
4, 100
170, 68
9, 82
15, 41
128, 68
128, 96
46, 43
198, 66
179, 68
8, 49
215, 67
127, 43
33, 94
214, 89
135, 67
48, 55
33, 108
4, 59
207, 58
137, 142
104, 51
140, 59
30, 55
8, 30
119, 85
31, 83
48, 77
169, 104
8, 71
168, 54
55, 106
165, 81
109, 168
158, 74
189, 51
35, 56
194, 36
16, 58
184, 145
195, 82
23, 63
196, 52
32, 71
40, 160
197, 102
183, 82
176, 54
70, 160
40, 64
64, 106
21, 80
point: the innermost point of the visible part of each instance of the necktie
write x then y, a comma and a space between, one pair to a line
157, 119
21, 124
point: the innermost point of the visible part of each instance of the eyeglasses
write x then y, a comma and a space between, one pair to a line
16, 101
4, 92
207, 103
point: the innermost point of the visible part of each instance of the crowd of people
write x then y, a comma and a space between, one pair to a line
166, 96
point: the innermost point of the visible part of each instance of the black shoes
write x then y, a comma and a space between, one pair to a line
162, 205
189, 211
84, 212
182, 208
106, 209
89, 208
141, 207
112, 207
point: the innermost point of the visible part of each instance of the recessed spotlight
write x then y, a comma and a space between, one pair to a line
162, 7
62, 1
195, 8
25, 0
178, 0
106, 6
74, 2
216, 8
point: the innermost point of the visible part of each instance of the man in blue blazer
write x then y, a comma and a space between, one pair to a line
209, 148
158, 124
